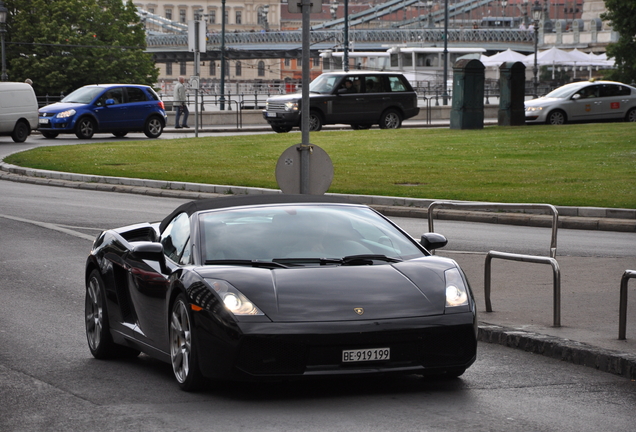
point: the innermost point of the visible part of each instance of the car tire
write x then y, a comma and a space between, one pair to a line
315, 121
100, 341
556, 117
120, 134
153, 127
20, 132
281, 129
390, 119
85, 128
49, 135
631, 115
183, 348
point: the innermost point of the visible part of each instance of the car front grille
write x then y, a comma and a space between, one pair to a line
276, 106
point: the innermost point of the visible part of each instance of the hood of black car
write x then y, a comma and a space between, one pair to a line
342, 293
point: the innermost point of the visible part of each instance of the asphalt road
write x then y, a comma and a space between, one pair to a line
49, 381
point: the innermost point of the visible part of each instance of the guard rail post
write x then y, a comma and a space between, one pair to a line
622, 314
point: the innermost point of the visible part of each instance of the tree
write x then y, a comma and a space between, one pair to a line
622, 17
64, 44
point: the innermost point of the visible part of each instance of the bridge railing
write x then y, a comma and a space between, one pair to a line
359, 36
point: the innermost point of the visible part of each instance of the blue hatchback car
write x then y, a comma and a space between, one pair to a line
114, 108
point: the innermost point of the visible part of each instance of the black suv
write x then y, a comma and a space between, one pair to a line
360, 99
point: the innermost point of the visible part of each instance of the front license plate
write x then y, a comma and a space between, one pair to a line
361, 355
271, 114
44, 121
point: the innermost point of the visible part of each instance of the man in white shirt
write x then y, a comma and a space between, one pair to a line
179, 102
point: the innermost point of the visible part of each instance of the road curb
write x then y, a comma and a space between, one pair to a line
582, 218
570, 351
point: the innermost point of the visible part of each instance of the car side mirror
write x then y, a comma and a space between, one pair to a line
152, 251
576, 96
109, 102
432, 241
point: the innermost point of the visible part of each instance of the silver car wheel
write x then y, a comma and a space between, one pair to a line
631, 115
556, 118
94, 314
180, 341
153, 128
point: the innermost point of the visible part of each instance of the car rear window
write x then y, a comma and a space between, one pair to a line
136, 95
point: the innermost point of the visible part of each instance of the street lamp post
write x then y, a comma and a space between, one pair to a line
504, 3
222, 89
429, 6
536, 16
3, 30
444, 84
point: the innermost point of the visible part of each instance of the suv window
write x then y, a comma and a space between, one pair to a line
396, 84
136, 95
374, 84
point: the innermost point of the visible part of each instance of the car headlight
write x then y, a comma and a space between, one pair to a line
456, 291
232, 298
534, 109
291, 106
66, 114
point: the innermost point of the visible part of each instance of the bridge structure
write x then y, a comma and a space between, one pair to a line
287, 44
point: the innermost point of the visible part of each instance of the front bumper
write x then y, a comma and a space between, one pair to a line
426, 345
54, 124
276, 118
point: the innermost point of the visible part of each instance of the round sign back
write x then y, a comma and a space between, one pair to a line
319, 166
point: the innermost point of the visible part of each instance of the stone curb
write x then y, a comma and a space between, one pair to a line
583, 218
577, 353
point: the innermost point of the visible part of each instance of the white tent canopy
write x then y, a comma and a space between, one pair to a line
502, 57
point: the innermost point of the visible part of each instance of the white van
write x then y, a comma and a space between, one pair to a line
18, 110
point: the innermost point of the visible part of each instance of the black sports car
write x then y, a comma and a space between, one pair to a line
278, 286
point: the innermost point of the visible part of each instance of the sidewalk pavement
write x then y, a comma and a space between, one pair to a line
521, 293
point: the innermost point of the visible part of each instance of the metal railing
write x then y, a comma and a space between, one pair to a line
622, 314
510, 256
360, 36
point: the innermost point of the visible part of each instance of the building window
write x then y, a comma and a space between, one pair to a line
261, 68
182, 68
197, 15
182, 15
316, 61
287, 62
239, 17
212, 68
212, 16
227, 17
151, 10
168, 68
238, 68
169, 14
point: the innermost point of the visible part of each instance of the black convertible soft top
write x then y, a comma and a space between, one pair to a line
246, 200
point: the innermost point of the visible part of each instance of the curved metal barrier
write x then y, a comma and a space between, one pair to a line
622, 314
556, 291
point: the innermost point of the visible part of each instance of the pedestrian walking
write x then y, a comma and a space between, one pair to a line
179, 101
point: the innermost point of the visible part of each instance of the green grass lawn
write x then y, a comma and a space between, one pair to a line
578, 165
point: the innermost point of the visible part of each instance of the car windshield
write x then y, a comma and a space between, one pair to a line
83, 95
562, 92
302, 235
324, 84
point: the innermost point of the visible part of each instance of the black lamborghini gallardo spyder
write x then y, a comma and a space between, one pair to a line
278, 287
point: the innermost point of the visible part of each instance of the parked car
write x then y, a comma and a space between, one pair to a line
584, 101
18, 110
278, 287
360, 99
114, 108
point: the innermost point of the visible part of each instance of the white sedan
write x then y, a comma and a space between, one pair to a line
584, 101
